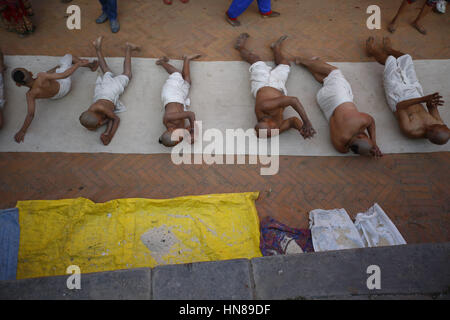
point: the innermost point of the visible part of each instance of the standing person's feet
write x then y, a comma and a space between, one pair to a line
162, 60
132, 46
272, 14
184, 1
115, 26
233, 22
97, 43
278, 42
419, 28
168, 2
102, 18
240, 42
392, 26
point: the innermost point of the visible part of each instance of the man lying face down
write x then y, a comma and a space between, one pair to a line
175, 101
107, 92
349, 128
268, 86
405, 95
53, 84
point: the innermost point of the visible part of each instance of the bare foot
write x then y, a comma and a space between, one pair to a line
279, 41
97, 43
160, 61
240, 42
94, 65
392, 26
387, 44
420, 28
192, 57
132, 46
370, 46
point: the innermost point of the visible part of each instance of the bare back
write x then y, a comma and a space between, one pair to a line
264, 94
44, 88
414, 120
345, 123
173, 107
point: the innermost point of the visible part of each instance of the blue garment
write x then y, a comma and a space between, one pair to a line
110, 8
239, 6
9, 243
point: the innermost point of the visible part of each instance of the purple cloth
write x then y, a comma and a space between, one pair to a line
275, 237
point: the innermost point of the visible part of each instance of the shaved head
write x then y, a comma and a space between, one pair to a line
361, 146
438, 134
166, 139
89, 120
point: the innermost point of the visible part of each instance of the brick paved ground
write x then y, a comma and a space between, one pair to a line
413, 189
332, 29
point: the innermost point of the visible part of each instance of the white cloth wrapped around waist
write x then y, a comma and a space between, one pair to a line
262, 75
400, 81
176, 90
110, 87
2, 92
335, 91
64, 84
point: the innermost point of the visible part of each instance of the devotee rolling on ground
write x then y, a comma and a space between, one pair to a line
53, 84
175, 100
426, 9
268, 86
108, 89
405, 95
2, 87
238, 7
349, 128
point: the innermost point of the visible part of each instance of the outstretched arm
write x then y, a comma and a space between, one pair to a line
68, 72
20, 135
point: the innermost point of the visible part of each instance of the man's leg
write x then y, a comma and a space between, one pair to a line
186, 67
104, 16
319, 69
403, 7
265, 8
127, 63
427, 7
276, 48
246, 54
98, 50
387, 47
112, 15
236, 8
376, 52
164, 62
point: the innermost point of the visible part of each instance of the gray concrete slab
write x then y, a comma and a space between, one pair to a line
203, 281
405, 270
115, 285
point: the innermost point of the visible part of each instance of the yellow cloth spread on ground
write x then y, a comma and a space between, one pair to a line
134, 233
